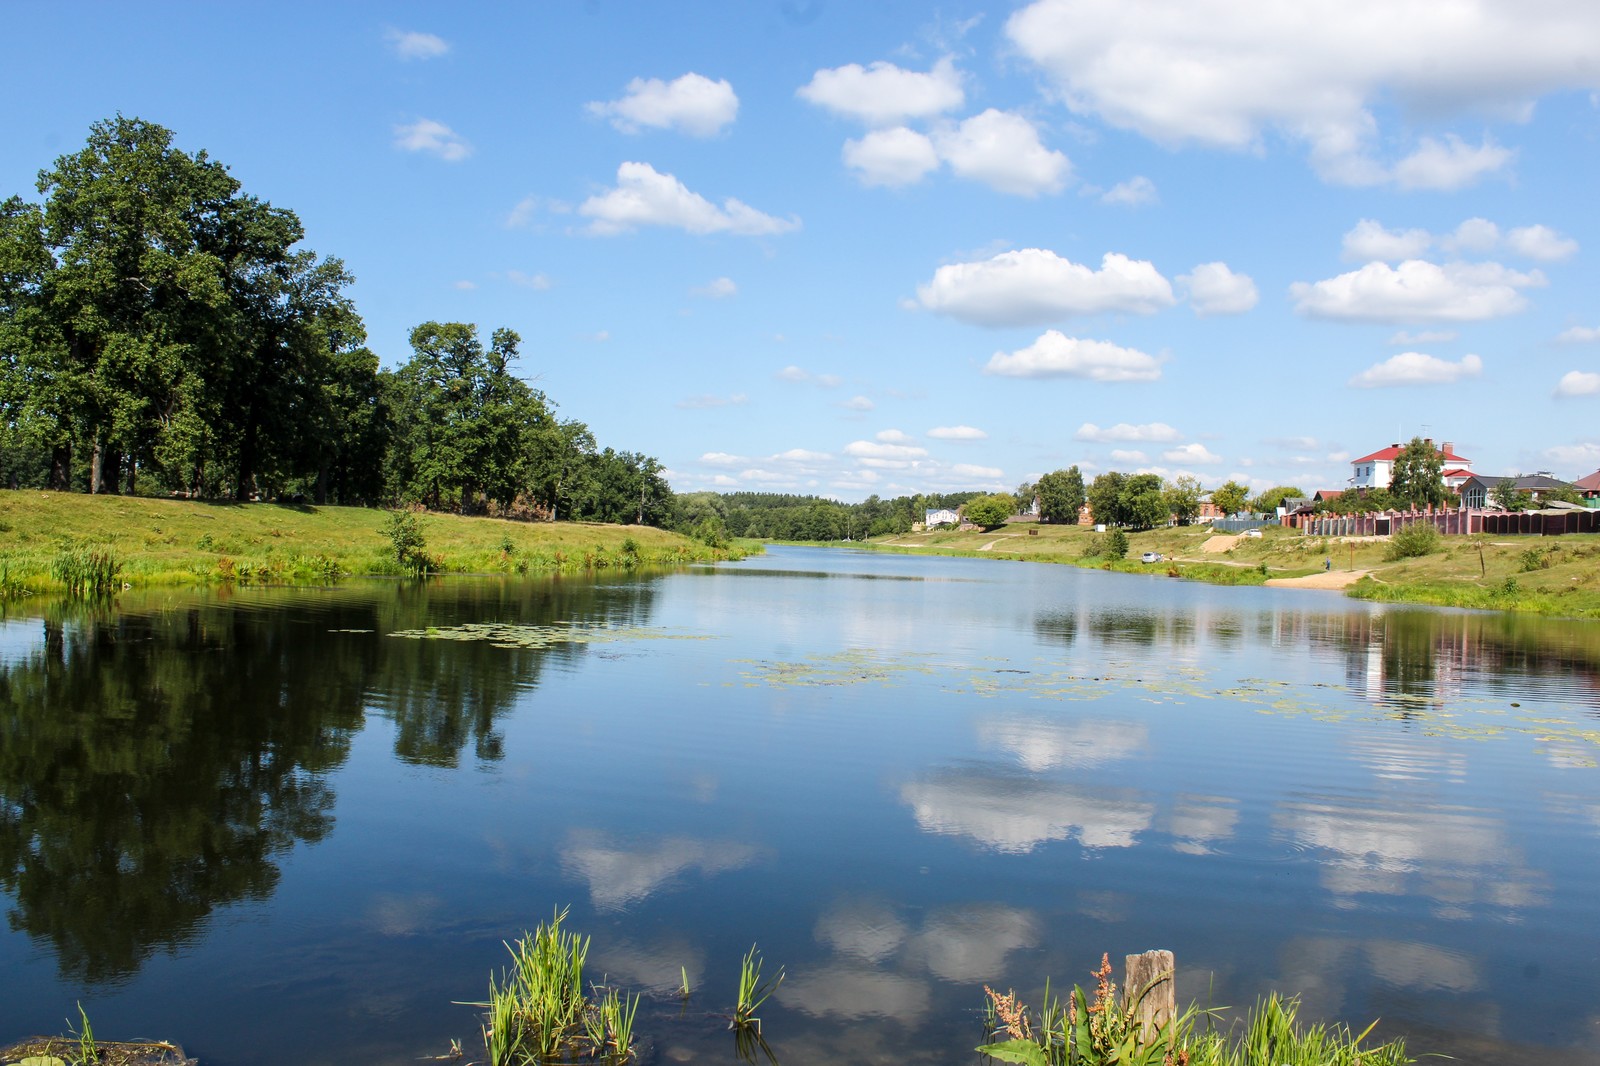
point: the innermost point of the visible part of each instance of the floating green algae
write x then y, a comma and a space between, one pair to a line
548, 635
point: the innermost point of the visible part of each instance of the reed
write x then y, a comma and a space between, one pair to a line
86, 571
753, 991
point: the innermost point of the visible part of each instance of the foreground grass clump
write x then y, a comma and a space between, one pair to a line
1108, 1031
54, 542
538, 1011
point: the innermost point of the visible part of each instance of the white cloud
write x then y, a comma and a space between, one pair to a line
794, 374
692, 104
968, 470
1034, 286
1195, 454
1579, 335
414, 45
522, 214
884, 94
1578, 383
1150, 432
874, 449
1417, 291
1449, 164
1405, 338
894, 436
716, 289
1369, 241
1415, 368
1216, 290
957, 433
1002, 150
536, 282
645, 197
857, 403
1585, 456
1056, 356
1541, 243
435, 138
1135, 192
1124, 455
466, 286
722, 459
1473, 235
891, 157
1225, 74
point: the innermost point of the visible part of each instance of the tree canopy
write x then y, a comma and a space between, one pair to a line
1418, 477
1061, 495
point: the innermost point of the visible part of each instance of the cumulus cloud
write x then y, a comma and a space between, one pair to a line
1369, 241
1195, 454
1584, 456
410, 44
878, 449
894, 436
976, 473
891, 157
1216, 290
716, 289
1473, 235
1415, 368
1224, 74
1034, 286
1579, 335
645, 197
957, 433
434, 138
1150, 432
801, 376
1542, 243
1417, 291
883, 94
692, 104
1056, 356
1449, 164
1578, 383
858, 403
1135, 192
536, 282
1002, 150
1128, 455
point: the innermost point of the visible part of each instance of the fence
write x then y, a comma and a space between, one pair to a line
1494, 523
1239, 525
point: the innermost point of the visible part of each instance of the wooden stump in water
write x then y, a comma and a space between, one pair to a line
1148, 990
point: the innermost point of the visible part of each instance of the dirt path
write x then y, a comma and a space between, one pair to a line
1221, 542
1328, 579
989, 547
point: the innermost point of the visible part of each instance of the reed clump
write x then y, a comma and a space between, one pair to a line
86, 572
1107, 1030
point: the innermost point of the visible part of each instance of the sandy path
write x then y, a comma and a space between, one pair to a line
1221, 542
1328, 579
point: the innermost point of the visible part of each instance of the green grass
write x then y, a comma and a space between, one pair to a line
753, 991
1557, 576
51, 541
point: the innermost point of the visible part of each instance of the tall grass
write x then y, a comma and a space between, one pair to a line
753, 991
86, 571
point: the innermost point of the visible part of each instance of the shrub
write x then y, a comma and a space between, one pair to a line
1535, 559
1412, 542
1115, 545
405, 534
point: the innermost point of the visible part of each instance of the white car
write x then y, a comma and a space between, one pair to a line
1251, 533
1150, 557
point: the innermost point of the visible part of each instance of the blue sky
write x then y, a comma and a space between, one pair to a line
844, 249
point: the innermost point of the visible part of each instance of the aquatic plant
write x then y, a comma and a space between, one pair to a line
753, 991
86, 571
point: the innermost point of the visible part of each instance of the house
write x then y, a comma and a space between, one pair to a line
944, 516
1589, 486
1375, 471
1479, 489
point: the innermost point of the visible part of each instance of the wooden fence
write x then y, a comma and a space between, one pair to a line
1460, 522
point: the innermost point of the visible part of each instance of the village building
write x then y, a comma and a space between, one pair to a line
1376, 471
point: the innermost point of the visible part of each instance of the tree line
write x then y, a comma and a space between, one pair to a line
164, 332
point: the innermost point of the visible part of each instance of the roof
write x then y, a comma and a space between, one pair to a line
1530, 482
1392, 452
1588, 484
1459, 471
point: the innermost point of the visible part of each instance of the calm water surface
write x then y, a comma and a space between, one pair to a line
295, 825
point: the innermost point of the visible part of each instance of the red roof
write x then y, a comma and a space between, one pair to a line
1392, 452
1459, 471
1588, 484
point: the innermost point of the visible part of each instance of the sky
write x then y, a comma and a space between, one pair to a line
888, 248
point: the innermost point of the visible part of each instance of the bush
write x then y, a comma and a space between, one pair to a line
1112, 545
990, 512
405, 534
1412, 542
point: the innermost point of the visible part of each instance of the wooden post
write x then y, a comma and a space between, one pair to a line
1148, 990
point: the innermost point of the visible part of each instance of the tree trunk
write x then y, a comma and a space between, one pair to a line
61, 467
95, 462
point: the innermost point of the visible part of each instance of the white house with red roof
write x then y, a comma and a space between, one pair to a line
1375, 471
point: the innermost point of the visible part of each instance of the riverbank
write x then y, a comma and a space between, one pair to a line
177, 542
1555, 576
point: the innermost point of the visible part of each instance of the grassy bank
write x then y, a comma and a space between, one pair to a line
1557, 576
47, 537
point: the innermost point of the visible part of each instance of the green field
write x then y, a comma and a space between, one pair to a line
158, 542
1544, 575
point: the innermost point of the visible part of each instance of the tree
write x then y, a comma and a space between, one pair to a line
1025, 496
1273, 498
1508, 497
1182, 498
1142, 504
1418, 477
990, 512
1105, 498
1230, 497
1061, 495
